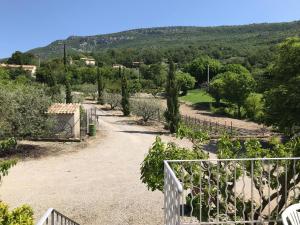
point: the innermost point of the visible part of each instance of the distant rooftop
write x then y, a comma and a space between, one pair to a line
61, 108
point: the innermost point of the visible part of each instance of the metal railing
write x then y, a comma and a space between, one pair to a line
53, 217
229, 191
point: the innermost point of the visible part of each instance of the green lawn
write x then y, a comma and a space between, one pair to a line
197, 96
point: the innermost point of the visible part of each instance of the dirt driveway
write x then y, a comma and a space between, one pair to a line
98, 185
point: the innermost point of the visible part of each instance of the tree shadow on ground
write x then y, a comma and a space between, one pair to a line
144, 132
207, 105
26, 151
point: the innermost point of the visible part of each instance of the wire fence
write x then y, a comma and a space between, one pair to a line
216, 128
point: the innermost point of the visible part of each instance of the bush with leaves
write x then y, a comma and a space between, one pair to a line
254, 106
185, 82
23, 111
112, 99
21, 215
8, 145
148, 109
281, 178
216, 89
152, 169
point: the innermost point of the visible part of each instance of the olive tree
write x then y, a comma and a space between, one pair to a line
112, 99
23, 111
148, 109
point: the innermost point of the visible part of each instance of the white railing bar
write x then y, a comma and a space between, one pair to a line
232, 222
51, 212
64, 216
45, 216
178, 184
235, 159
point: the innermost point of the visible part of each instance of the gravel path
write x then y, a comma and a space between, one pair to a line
98, 185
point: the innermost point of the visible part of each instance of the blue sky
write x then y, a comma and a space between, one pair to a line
26, 24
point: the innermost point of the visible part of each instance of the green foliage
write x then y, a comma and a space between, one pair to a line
236, 88
152, 168
4, 74
199, 68
23, 111
172, 114
19, 216
197, 136
125, 94
155, 72
234, 68
185, 82
216, 88
282, 100
8, 145
5, 166
250, 44
197, 96
20, 58
148, 109
100, 85
112, 99
68, 92
254, 106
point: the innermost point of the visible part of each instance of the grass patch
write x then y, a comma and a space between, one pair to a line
197, 96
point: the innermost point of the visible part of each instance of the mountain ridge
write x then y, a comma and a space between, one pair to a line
256, 34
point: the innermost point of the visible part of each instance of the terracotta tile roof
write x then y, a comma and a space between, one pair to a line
60, 108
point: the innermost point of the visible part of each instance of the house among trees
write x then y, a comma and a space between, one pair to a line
136, 64
117, 66
88, 61
30, 68
66, 119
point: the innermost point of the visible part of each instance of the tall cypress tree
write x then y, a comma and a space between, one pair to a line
172, 114
100, 84
125, 94
69, 98
67, 82
65, 56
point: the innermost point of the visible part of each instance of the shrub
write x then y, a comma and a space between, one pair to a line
23, 111
148, 109
21, 215
114, 100
185, 82
7, 145
152, 170
254, 106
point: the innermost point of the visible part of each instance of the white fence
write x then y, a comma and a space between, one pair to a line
53, 217
229, 191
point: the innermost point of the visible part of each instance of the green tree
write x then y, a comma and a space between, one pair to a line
198, 68
100, 86
282, 108
254, 105
20, 58
185, 82
68, 92
23, 111
65, 56
236, 88
234, 68
216, 89
172, 114
125, 94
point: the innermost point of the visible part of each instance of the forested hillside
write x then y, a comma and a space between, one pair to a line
221, 42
